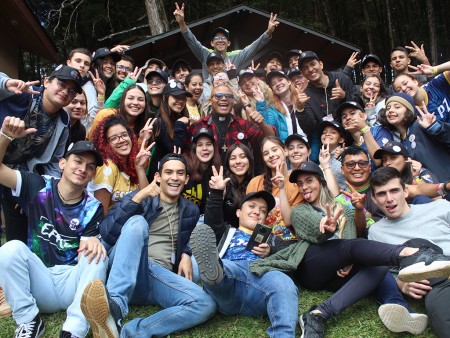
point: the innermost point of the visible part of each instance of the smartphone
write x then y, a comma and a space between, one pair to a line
260, 235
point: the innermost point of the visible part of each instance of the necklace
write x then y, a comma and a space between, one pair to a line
69, 199
169, 218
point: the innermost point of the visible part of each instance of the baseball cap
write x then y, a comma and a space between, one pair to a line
346, 104
274, 55
307, 55
370, 57
178, 64
306, 167
265, 195
172, 157
214, 56
222, 30
334, 124
203, 132
103, 52
67, 73
293, 71
85, 147
162, 74
274, 73
175, 88
403, 99
160, 63
298, 137
245, 73
293, 52
392, 147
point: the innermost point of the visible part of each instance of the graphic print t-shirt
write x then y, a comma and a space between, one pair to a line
55, 228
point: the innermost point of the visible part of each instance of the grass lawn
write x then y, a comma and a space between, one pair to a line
360, 320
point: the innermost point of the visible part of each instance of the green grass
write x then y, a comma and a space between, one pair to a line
359, 320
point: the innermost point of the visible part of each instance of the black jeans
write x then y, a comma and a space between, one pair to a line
370, 260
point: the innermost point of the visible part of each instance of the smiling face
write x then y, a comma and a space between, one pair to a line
298, 153
400, 61
195, 87
204, 149
80, 61
248, 83
172, 179
77, 107
273, 154
222, 106
155, 85
134, 103
371, 68
395, 113
119, 140
405, 84
108, 66
331, 136
78, 169
299, 80
312, 70
280, 85
309, 186
215, 66
293, 61
273, 64
356, 176
176, 103
396, 161
181, 73
239, 163
123, 68
370, 87
220, 79
58, 93
252, 212
220, 43
391, 198
351, 115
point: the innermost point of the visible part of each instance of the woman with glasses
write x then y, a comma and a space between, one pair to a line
124, 163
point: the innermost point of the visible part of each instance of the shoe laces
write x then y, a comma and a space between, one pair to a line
25, 330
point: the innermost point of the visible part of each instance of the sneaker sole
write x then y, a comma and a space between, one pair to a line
397, 319
203, 245
302, 326
95, 306
420, 271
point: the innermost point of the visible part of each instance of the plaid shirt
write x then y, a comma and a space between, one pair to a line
238, 131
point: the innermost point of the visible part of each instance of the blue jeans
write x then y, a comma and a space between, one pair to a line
134, 279
242, 292
387, 292
30, 287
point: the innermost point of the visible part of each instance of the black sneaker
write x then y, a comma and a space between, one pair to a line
101, 311
203, 245
66, 334
425, 263
33, 329
312, 324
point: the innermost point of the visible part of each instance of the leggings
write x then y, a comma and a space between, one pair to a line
318, 268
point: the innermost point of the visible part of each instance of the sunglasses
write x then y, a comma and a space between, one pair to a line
220, 96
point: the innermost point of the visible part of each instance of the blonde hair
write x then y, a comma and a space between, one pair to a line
276, 101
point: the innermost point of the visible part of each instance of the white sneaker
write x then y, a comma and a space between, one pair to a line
397, 319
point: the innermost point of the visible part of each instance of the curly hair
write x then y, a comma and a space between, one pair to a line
268, 185
409, 119
100, 139
142, 117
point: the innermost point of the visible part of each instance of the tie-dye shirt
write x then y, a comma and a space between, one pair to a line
55, 228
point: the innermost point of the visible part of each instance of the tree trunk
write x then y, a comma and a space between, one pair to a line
369, 27
327, 12
432, 35
157, 18
389, 22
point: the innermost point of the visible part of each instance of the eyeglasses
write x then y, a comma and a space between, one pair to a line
223, 38
221, 78
309, 181
155, 81
127, 69
362, 164
220, 96
116, 138
63, 86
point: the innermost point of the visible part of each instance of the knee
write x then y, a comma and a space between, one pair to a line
94, 269
136, 225
289, 288
207, 306
10, 252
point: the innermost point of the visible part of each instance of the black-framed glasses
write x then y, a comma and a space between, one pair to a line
352, 164
63, 86
220, 96
126, 69
116, 138
309, 181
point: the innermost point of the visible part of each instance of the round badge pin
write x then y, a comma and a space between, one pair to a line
240, 136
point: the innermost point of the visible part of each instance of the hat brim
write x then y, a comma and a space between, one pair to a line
294, 174
68, 78
180, 92
297, 137
265, 195
97, 156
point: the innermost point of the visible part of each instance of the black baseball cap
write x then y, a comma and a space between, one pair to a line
333, 124
214, 56
293, 52
298, 137
158, 62
67, 73
306, 167
274, 73
274, 55
162, 74
306, 55
246, 73
172, 157
178, 64
222, 30
175, 88
265, 195
293, 71
370, 57
347, 104
85, 147
203, 132
103, 52
392, 147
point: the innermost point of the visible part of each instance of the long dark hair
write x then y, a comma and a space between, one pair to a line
409, 118
195, 166
383, 92
168, 117
238, 190
268, 185
109, 83
142, 117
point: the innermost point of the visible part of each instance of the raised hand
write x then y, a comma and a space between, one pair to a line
257, 94
143, 155
147, 131
337, 93
417, 52
279, 177
339, 150
357, 199
324, 155
177, 150
179, 13
372, 101
273, 23
416, 166
253, 67
121, 49
98, 83
302, 97
422, 70
353, 60
217, 181
135, 74
229, 65
18, 86
425, 119
14, 127
329, 222
184, 119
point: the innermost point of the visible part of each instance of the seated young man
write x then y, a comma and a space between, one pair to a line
227, 277
64, 252
426, 224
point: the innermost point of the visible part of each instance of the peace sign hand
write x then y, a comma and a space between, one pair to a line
98, 83
353, 60
329, 222
177, 150
324, 155
217, 181
147, 131
135, 74
253, 67
257, 94
427, 118
273, 23
229, 65
373, 99
179, 13
358, 200
18, 86
143, 155
279, 177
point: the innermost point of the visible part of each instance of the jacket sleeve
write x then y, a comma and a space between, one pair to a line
268, 113
200, 51
214, 213
4, 94
114, 99
440, 132
241, 59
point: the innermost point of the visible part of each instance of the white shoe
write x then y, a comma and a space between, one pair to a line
398, 319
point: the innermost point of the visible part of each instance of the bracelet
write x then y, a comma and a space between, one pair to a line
364, 130
100, 97
435, 70
8, 137
418, 179
439, 189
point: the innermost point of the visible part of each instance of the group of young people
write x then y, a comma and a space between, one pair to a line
224, 190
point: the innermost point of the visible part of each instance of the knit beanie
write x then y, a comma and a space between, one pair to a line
403, 99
